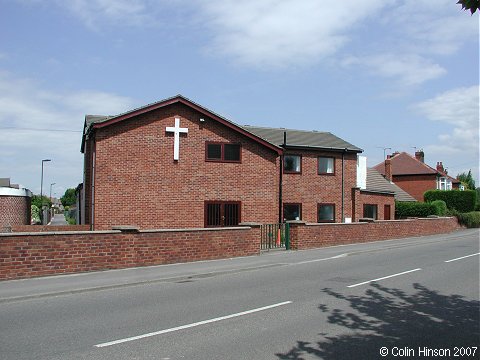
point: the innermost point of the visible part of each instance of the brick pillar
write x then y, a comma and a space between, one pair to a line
295, 233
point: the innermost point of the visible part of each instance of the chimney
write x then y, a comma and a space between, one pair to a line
420, 156
388, 169
440, 167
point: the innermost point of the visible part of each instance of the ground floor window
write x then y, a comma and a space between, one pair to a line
326, 213
370, 211
222, 213
292, 212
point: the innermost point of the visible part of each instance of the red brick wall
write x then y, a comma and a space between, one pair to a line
14, 210
377, 199
137, 182
30, 255
307, 236
416, 185
310, 189
49, 228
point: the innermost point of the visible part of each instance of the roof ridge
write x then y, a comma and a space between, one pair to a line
286, 129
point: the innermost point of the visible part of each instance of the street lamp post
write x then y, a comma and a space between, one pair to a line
41, 188
51, 190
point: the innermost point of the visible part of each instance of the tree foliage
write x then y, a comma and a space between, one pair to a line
467, 180
471, 5
41, 201
69, 198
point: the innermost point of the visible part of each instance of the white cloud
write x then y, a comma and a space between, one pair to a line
25, 106
460, 109
407, 69
432, 27
283, 33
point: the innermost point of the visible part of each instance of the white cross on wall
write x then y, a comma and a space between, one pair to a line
176, 137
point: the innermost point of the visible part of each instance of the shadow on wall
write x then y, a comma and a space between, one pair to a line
391, 318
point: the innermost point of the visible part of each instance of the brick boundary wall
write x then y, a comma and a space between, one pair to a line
309, 236
26, 255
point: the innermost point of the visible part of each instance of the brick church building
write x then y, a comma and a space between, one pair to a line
176, 164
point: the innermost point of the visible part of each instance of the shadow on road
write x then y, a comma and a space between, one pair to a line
384, 317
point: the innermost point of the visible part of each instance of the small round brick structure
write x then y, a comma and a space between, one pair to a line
15, 207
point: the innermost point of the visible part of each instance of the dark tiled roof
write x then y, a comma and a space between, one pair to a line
377, 183
301, 138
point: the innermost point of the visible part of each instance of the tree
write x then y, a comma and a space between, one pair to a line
69, 198
472, 5
41, 201
467, 180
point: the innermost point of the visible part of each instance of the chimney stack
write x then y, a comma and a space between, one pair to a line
440, 167
388, 169
420, 156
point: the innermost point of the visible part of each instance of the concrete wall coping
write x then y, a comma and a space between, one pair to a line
45, 233
196, 229
6, 191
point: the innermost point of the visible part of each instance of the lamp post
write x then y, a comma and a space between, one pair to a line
41, 188
51, 190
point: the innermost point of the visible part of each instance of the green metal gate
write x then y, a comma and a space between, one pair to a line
275, 236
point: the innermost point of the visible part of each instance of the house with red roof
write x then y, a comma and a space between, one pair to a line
414, 176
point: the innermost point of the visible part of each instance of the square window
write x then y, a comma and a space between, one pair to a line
326, 165
292, 212
370, 211
214, 151
326, 213
292, 163
232, 152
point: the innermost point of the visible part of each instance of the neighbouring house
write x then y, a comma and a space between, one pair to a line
176, 164
15, 205
415, 177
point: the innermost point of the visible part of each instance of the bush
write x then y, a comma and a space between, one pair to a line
440, 207
469, 220
35, 214
414, 209
462, 201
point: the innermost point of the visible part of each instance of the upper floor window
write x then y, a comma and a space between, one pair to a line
292, 164
444, 184
326, 165
224, 152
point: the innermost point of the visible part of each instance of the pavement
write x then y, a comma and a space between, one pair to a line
58, 220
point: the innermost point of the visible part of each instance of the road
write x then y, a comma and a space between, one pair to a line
403, 297
58, 219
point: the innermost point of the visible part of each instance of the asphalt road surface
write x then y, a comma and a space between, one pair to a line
414, 298
58, 219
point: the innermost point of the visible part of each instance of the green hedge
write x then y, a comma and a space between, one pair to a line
417, 209
462, 201
470, 219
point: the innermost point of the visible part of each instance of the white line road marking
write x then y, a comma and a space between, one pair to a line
460, 258
182, 327
385, 277
317, 260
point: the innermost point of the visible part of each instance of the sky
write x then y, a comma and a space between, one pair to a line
384, 75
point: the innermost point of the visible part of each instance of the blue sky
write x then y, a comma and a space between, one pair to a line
377, 73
